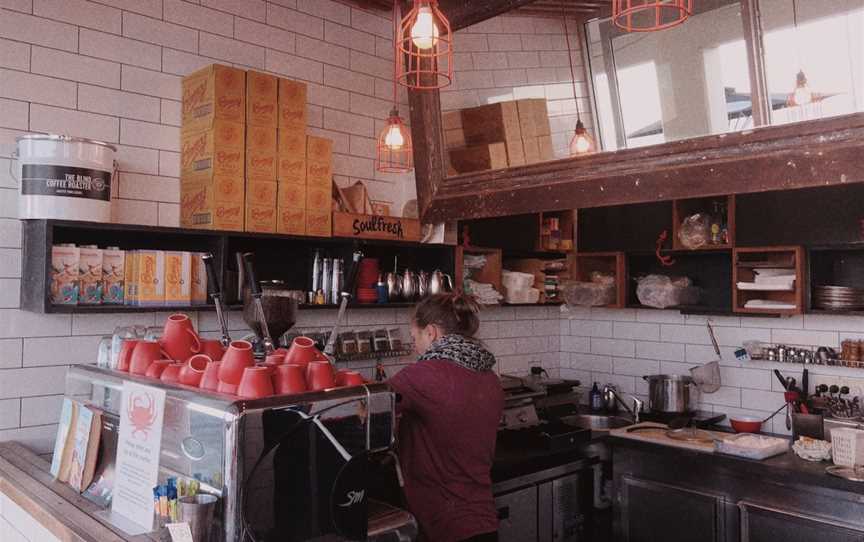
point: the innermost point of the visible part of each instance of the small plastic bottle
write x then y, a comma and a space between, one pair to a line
595, 398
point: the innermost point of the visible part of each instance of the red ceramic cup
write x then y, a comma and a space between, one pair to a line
179, 338
143, 355
255, 383
210, 380
349, 378
275, 359
236, 359
302, 351
319, 375
193, 370
289, 378
227, 389
213, 348
171, 373
124, 359
156, 368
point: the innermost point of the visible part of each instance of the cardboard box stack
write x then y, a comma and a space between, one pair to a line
261, 151
212, 149
291, 214
475, 139
244, 156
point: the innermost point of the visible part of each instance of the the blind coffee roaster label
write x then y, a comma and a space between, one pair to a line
66, 181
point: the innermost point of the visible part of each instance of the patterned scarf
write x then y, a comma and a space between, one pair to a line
462, 351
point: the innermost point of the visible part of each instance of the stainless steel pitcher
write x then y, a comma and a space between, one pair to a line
394, 286
409, 285
440, 283
422, 284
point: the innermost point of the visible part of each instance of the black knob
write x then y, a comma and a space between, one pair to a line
251, 279
212, 280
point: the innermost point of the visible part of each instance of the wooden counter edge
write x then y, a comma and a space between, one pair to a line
25, 479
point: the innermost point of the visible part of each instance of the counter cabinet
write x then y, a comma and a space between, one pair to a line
681, 496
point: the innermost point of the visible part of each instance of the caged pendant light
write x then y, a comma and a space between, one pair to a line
650, 15
582, 143
394, 152
424, 47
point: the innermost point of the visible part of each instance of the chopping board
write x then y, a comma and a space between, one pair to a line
659, 436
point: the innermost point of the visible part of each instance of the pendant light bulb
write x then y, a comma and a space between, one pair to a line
393, 139
582, 142
802, 95
424, 31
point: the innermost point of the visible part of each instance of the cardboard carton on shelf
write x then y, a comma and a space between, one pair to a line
547, 149
291, 166
291, 220
533, 117
491, 123
218, 150
292, 195
261, 218
261, 192
319, 198
261, 152
214, 93
319, 223
261, 99
532, 150
319, 161
292, 105
213, 205
479, 157
178, 278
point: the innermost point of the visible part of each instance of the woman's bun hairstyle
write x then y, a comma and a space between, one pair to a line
454, 313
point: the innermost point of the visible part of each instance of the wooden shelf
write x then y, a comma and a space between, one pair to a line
745, 263
683, 208
583, 264
488, 274
282, 257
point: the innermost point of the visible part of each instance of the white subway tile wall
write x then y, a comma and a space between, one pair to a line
621, 346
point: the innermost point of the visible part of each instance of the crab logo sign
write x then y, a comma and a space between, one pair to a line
141, 412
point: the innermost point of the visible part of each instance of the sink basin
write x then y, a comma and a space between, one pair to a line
597, 422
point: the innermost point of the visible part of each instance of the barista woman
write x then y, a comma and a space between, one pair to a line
451, 403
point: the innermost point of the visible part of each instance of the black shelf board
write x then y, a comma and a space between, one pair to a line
827, 312
539, 254
101, 309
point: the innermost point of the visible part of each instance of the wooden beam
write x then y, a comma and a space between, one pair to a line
462, 13
807, 154
427, 137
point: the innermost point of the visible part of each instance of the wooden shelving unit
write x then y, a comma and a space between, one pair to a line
614, 263
490, 273
683, 208
746, 262
278, 257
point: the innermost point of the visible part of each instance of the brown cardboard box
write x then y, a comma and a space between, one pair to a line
261, 218
319, 162
261, 152
212, 94
491, 123
261, 99
319, 198
215, 203
532, 149
292, 195
291, 220
319, 223
479, 157
319, 150
292, 105
219, 150
515, 152
291, 166
261, 192
451, 120
547, 149
454, 139
541, 117
533, 117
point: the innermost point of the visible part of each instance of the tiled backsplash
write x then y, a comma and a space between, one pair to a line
622, 345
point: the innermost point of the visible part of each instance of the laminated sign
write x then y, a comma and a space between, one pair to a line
67, 181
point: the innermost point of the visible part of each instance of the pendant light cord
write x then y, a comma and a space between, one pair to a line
396, 25
570, 59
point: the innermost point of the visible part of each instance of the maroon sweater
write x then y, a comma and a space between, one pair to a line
447, 435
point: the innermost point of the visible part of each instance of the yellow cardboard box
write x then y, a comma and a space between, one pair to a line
220, 149
292, 195
261, 218
212, 94
291, 220
261, 99
261, 152
292, 105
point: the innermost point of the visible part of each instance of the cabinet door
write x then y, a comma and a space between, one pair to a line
517, 515
764, 524
655, 512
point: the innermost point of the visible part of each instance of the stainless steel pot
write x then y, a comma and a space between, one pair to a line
669, 393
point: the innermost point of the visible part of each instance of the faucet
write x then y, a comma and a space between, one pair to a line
609, 391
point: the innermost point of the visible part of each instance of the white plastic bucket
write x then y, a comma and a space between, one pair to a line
64, 177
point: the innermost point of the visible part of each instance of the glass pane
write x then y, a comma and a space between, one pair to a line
827, 46
683, 82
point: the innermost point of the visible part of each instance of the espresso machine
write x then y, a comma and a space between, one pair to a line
311, 466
